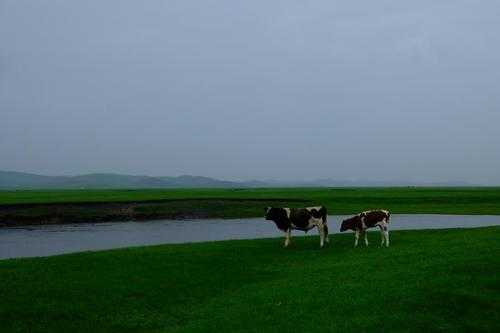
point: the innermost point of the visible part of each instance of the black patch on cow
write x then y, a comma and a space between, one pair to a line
279, 217
315, 213
299, 217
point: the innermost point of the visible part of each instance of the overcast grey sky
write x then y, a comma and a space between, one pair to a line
380, 90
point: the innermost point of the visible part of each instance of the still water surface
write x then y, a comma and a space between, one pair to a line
57, 239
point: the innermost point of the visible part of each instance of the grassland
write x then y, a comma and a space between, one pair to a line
60, 206
441, 280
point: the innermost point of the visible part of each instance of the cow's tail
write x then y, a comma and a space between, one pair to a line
324, 215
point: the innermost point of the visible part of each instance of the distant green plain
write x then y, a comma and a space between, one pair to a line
446, 200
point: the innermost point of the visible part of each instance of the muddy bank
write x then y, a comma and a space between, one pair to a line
40, 214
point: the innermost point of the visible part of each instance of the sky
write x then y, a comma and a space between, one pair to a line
290, 90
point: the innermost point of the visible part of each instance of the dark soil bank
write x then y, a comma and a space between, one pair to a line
37, 214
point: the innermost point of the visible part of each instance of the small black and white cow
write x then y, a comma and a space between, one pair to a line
365, 220
303, 219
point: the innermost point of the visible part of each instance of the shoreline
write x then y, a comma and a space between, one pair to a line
25, 214
16, 242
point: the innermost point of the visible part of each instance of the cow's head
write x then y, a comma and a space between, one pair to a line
273, 214
348, 223
343, 226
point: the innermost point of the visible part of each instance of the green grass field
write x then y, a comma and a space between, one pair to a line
441, 280
60, 206
479, 200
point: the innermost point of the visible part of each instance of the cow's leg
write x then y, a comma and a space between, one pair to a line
327, 239
325, 226
288, 235
382, 235
321, 235
356, 238
386, 234
366, 236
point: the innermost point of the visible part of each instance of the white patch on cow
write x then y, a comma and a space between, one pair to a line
311, 208
287, 210
363, 217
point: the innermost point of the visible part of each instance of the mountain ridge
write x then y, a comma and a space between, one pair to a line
24, 180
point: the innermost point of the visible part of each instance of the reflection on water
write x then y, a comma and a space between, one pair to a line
57, 239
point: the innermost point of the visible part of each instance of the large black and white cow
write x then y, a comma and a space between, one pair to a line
361, 222
305, 219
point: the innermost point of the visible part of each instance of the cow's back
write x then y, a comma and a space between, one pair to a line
306, 218
371, 218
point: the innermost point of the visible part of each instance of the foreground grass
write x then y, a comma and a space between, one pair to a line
446, 280
60, 206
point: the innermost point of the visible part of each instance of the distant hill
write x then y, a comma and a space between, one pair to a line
21, 180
